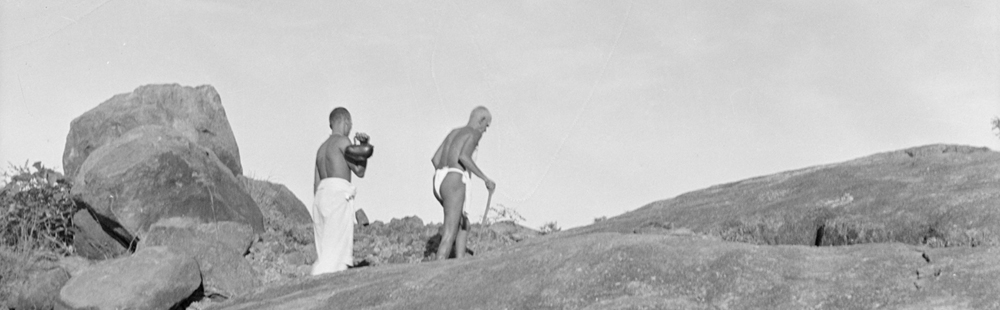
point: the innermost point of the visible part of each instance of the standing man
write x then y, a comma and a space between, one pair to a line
333, 209
452, 164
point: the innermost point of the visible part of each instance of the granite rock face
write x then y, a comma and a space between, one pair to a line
195, 112
911, 229
152, 173
633, 271
935, 195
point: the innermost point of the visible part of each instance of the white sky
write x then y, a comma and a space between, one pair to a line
599, 107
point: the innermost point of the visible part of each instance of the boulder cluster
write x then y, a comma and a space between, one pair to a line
169, 221
165, 217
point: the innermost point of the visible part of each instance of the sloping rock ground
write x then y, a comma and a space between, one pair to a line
195, 112
939, 195
896, 210
622, 271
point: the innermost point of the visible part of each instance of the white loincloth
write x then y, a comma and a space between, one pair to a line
443, 172
466, 177
333, 225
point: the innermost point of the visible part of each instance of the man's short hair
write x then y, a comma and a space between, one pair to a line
339, 114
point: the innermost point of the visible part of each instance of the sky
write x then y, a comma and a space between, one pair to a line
599, 107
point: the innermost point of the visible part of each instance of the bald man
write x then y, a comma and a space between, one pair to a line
452, 165
333, 210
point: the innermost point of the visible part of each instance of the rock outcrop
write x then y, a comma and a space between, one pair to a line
631, 271
157, 171
152, 173
194, 112
153, 278
938, 195
912, 229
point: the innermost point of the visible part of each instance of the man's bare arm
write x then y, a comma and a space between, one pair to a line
469, 144
315, 180
356, 166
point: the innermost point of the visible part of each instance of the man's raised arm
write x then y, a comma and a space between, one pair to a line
356, 156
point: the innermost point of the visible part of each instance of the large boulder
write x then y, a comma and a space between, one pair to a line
153, 278
634, 271
195, 112
154, 172
217, 247
938, 195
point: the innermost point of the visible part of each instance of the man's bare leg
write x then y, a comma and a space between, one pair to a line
463, 233
453, 198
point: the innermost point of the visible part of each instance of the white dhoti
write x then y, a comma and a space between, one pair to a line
333, 225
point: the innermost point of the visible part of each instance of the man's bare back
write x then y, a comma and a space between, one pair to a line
456, 144
330, 161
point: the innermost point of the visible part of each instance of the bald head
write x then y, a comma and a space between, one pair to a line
480, 118
339, 115
340, 121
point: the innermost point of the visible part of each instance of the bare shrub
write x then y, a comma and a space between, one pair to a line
549, 227
996, 126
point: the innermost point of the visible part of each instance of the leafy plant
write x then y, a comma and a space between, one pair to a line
35, 219
36, 210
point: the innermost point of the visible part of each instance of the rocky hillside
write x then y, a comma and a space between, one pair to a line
164, 219
935, 195
910, 229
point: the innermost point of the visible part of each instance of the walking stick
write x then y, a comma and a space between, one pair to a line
488, 200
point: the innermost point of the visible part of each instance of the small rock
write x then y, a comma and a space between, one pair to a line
42, 289
74, 265
294, 258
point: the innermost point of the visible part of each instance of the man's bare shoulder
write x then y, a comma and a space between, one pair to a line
463, 132
456, 131
334, 143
